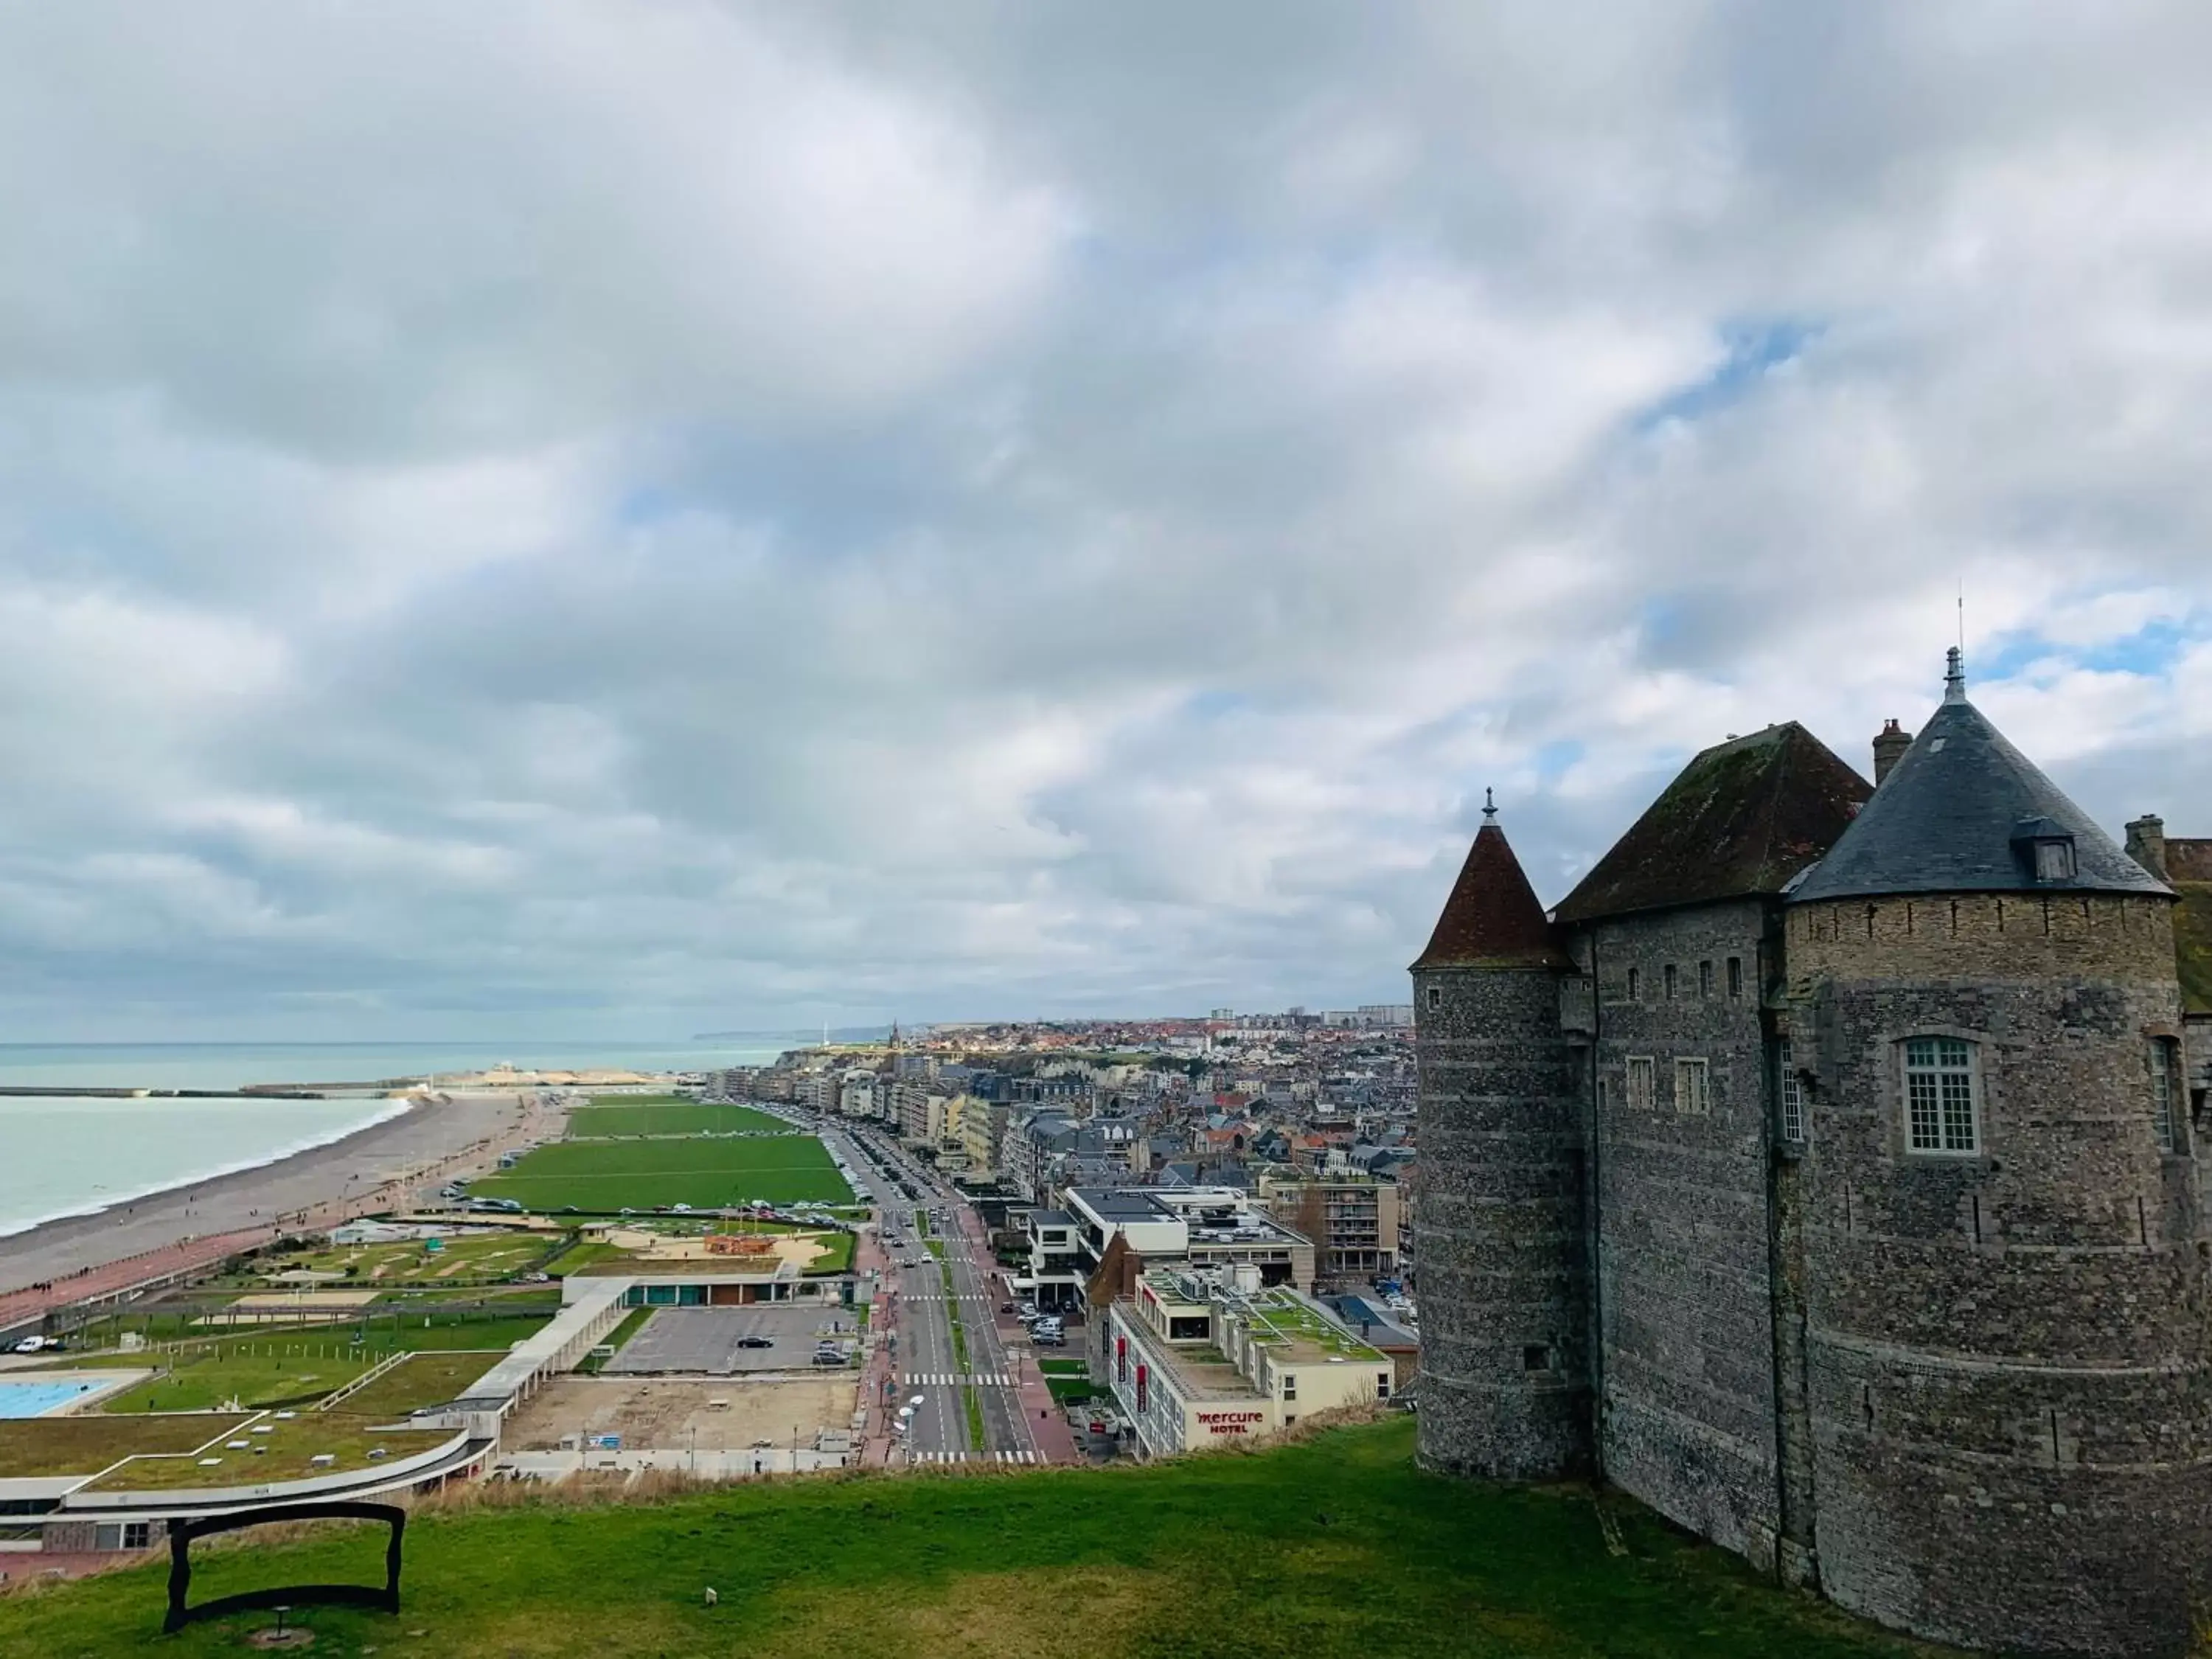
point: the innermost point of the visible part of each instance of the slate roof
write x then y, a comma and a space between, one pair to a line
1743, 818
1491, 919
1949, 817
2189, 867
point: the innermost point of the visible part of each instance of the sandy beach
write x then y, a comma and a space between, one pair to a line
370, 1170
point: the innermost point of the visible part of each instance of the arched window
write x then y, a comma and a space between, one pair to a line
1942, 1096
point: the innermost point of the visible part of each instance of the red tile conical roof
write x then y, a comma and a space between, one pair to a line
1492, 919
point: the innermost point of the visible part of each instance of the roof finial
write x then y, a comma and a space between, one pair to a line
1955, 676
1489, 806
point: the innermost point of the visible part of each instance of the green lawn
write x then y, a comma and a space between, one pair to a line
1064, 1367
1071, 1390
837, 1256
632, 1323
616, 1116
602, 1176
286, 1452
1334, 1546
369, 1266
264, 1370
427, 1379
87, 1443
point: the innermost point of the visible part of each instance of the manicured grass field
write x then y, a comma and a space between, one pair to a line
1335, 1546
616, 1115
602, 1176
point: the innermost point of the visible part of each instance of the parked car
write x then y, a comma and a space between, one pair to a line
756, 1342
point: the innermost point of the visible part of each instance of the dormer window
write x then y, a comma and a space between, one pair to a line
2047, 848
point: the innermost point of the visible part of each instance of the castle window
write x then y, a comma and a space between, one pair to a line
1641, 1072
2164, 1090
1940, 1107
1735, 976
1692, 1081
1435, 997
1789, 1092
1536, 1356
1706, 979
1669, 972
1634, 984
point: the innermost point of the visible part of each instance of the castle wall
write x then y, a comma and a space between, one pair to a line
1498, 1228
1685, 1288
2006, 1350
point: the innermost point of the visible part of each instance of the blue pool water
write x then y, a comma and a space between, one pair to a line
37, 1399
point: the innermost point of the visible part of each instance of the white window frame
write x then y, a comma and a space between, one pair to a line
1644, 1066
1693, 1088
1940, 1073
1789, 1090
2164, 1090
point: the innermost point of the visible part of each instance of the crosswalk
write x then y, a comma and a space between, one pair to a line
947, 1379
977, 1457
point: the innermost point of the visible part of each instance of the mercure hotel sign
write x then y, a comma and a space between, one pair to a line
1231, 1422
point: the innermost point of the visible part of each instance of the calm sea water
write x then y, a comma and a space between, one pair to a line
67, 1154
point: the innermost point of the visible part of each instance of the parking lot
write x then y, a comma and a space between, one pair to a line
713, 1342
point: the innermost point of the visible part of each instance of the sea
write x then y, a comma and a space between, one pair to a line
67, 1153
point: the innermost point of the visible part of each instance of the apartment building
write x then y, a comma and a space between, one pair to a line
1355, 1222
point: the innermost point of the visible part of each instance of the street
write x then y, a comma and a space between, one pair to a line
927, 1360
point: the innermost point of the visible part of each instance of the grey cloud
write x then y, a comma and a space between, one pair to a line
536, 519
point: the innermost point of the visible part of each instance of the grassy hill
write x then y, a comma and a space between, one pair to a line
1333, 1545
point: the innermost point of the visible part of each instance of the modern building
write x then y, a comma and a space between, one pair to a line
1198, 1360
1192, 1227
1352, 1220
1824, 1172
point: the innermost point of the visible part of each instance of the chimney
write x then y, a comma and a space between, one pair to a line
2147, 843
1889, 747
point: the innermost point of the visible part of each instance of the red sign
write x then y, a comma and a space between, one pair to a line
1141, 1375
1231, 1422
1121, 1357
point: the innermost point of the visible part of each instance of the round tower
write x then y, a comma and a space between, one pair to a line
2005, 1285
1498, 1225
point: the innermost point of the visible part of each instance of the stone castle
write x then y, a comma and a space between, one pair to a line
1822, 1172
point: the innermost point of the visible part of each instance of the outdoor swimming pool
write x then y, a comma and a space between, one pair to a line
37, 1399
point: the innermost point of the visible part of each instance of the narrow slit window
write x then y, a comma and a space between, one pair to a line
1705, 981
1942, 1112
2165, 1087
1634, 985
1735, 976
1669, 972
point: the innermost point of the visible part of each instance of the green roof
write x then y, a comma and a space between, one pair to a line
2192, 945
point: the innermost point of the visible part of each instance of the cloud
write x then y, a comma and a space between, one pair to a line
536, 520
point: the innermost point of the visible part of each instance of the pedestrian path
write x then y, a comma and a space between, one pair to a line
976, 1457
947, 1379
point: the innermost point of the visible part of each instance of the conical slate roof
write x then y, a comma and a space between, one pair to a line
1743, 818
1491, 919
1959, 813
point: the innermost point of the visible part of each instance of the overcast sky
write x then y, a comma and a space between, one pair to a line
565, 520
